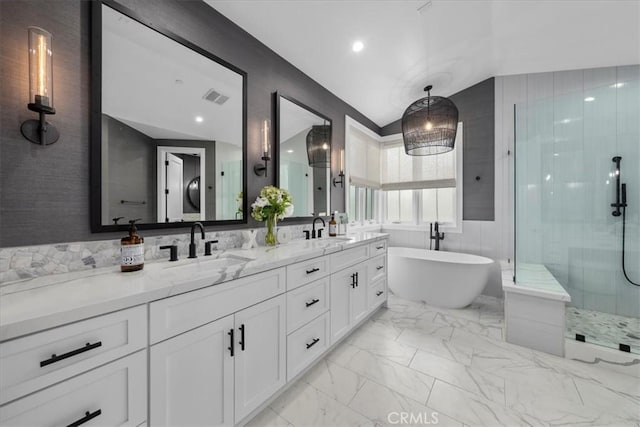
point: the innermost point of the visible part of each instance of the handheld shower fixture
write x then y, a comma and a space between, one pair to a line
621, 203
619, 189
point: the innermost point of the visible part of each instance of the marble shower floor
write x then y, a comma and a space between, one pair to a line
603, 328
414, 360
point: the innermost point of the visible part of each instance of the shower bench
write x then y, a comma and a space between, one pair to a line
534, 309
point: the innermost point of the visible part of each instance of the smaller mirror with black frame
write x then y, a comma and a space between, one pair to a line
304, 156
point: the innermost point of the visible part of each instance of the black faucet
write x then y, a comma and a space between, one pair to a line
313, 230
192, 245
437, 237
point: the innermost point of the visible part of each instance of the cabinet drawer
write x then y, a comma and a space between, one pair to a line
344, 259
306, 344
377, 248
377, 293
28, 364
174, 315
114, 394
377, 268
307, 303
307, 271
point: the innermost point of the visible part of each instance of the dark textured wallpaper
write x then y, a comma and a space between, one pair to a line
44, 191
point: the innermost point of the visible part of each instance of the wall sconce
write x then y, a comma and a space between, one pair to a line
341, 173
260, 168
40, 88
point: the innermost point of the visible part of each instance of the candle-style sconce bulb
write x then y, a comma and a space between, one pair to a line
40, 88
260, 168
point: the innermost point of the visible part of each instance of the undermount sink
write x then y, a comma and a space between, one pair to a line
207, 264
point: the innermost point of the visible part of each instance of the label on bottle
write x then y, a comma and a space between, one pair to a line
132, 254
332, 229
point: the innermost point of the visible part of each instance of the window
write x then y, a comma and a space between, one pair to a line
363, 169
421, 189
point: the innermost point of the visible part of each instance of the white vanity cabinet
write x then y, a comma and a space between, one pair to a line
218, 372
348, 290
92, 371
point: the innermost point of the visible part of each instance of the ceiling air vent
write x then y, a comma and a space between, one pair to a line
212, 96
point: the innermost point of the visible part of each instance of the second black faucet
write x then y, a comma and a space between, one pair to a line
192, 245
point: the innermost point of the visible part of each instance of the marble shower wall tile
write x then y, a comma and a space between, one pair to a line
26, 262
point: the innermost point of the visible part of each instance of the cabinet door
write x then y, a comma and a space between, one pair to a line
342, 284
260, 365
358, 301
192, 378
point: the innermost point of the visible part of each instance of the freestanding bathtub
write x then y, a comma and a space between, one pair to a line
444, 279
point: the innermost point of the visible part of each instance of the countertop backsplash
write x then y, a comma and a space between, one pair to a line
25, 262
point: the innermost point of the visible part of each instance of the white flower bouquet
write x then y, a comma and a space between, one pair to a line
272, 204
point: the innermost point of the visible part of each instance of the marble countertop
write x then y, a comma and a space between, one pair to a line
27, 306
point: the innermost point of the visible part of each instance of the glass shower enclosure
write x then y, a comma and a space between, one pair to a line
569, 201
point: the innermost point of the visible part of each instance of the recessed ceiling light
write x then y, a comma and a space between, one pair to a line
617, 85
589, 99
199, 119
357, 46
289, 151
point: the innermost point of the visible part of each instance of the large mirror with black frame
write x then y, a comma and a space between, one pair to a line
168, 127
304, 156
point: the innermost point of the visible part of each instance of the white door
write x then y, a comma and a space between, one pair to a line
191, 378
341, 286
358, 300
174, 188
260, 354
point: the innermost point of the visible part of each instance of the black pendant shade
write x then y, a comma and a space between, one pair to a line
319, 146
429, 125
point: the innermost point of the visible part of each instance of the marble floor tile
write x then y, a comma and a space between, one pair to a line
383, 347
436, 345
420, 359
334, 380
386, 407
545, 394
304, 405
399, 378
474, 410
484, 384
268, 417
472, 326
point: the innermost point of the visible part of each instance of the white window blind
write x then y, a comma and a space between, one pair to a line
363, 159
403, 172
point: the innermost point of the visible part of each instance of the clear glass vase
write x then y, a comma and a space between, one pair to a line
270, 238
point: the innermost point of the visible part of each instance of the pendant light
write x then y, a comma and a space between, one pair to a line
319, 146
429, 125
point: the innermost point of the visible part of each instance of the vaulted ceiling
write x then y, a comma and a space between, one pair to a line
451, 44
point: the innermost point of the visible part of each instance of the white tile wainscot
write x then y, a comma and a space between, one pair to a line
535, 309
216, 338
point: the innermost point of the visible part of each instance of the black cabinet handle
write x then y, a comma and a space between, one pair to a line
72, 353
353, 281
313, 301
313, 270
380, 267
357, 280
380, 247
312, 343
87, 416
242, 337
379, 293
230, 348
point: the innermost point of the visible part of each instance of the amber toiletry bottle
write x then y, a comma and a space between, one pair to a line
132, 249
333, 226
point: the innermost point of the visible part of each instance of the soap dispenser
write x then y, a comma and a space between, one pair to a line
132, 249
